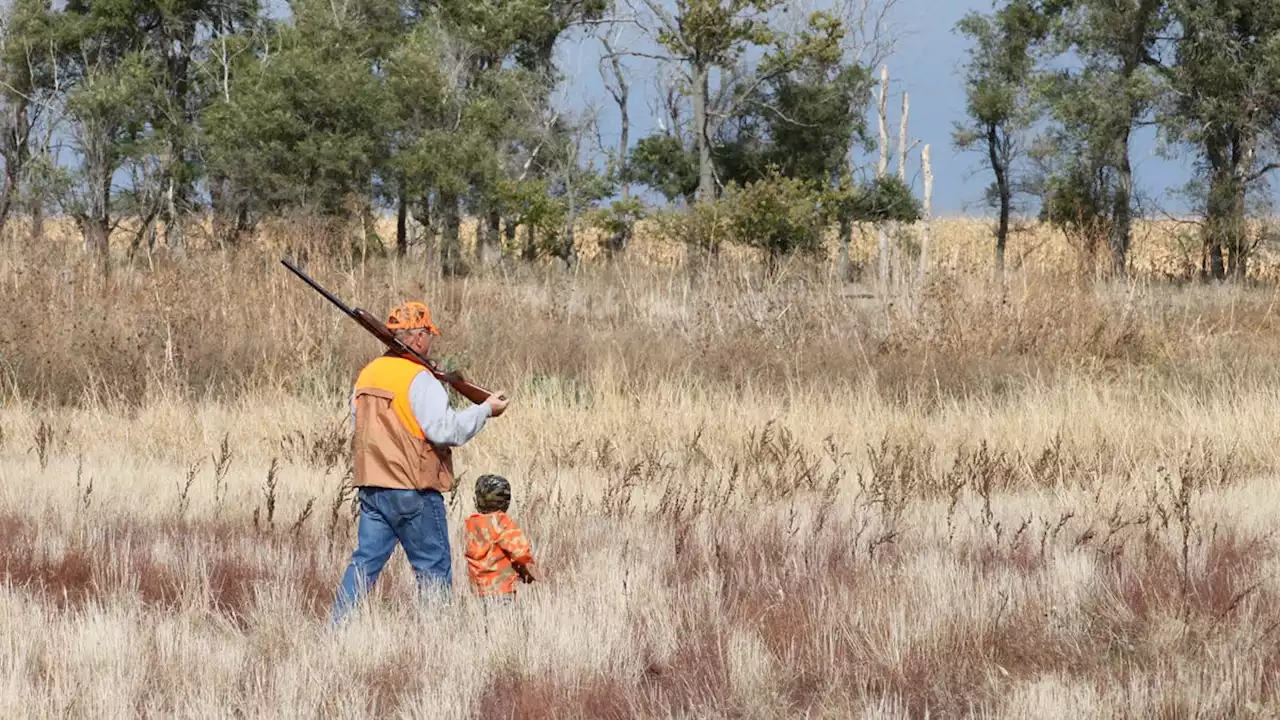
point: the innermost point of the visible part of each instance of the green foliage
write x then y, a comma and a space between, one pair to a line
704, 226
1076, 201
812, 103
620, 216
888, 199
717, 32
776, 214
1001, 66
447, 107
662, 163
1223, 105
307, 128
801, 111
1000, 101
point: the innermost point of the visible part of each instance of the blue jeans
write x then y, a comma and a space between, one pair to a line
415, 519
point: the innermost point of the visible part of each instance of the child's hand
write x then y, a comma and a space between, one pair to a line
528, 573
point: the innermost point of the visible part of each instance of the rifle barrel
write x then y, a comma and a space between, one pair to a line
319, 288
467, 389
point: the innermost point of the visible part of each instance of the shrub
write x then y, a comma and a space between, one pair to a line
778, 215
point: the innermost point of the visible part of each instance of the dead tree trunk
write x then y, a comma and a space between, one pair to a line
882, 233
620, 89
926, 233
899, 269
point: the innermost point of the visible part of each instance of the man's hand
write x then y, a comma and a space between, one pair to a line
497, 402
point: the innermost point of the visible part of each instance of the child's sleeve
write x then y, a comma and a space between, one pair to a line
515, 543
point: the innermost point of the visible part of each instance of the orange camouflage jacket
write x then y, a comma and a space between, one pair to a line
496, 546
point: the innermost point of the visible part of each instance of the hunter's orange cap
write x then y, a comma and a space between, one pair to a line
411, 316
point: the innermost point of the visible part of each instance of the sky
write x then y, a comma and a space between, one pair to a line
927, 64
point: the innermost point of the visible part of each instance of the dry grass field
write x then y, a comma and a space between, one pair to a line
751, 497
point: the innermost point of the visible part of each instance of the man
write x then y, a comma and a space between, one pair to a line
404, 435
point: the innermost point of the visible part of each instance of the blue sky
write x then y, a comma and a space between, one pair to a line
926, 64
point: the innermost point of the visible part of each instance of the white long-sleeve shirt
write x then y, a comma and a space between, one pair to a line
442, 425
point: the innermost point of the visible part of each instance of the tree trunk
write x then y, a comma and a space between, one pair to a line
702, 126
903, 138
844, 267
1225, 231
1121, 212
618, 243
402, 223
1216, 267
1132, 57
37, 220
1003, 191
624, 120
509, 232
6, 199
97, 237
147, 229
488, 234
569, 247
926, 234
1237, 236
530, 251
173, 235
773, 261
845, 240
368, 229
1216, 205
450, 241
178, 189
218, 207
422, 213
882, 233
96, 225
15, 154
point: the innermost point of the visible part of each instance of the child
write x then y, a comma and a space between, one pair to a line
498, 552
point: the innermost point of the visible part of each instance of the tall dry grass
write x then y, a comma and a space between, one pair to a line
752, 497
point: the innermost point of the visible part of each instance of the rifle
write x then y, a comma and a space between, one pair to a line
465, 388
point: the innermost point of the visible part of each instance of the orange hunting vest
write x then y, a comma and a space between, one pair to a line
390, 448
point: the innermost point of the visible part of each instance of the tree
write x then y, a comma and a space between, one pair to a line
999, 102
662, 163
617, 82
702, 36
422, 78
23, 67
1099, 104
304, 122
111, 76
777, 214
808, 111
185, 33
1225, 104
512, 62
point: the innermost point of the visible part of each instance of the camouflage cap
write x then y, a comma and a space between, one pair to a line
493, 493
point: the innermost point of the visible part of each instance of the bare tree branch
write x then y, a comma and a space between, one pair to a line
1262, 172
870, 35
668, 22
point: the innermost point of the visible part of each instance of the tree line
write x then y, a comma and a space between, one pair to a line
173, 112
1057, 89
